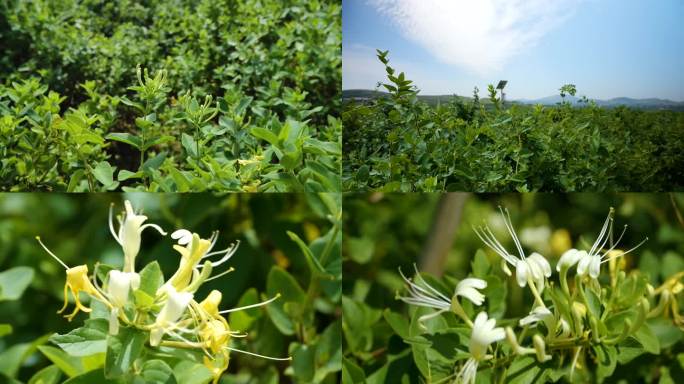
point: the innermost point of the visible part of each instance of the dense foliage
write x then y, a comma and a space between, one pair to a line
625, 325
170, 95
289, 251
398, 143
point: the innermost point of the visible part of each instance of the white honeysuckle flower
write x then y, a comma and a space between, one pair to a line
173, 309
536, 315
589, 262
424, 295
183, 236
468, 288
130, 228
535, 267
483, 334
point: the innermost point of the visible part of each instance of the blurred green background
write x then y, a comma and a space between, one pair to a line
75, 228
385, 232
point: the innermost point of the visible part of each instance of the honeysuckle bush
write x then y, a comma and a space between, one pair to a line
170, 96
530, 303
400, 143
131, 318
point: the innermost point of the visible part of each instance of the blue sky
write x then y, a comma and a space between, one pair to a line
607, 48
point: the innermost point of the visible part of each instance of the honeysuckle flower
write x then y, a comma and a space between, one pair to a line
538, 314
173, 318
193, 249
483, 334
589, 262
468, 288
424, 295
172, 310
532, 268
118, 287
77, 281
130, 228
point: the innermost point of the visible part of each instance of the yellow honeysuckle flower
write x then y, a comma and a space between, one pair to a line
194, 249
76, 281
211, 303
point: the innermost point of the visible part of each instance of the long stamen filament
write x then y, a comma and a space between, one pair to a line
509, 226
257, 355
251, 306
51, 254
231, 269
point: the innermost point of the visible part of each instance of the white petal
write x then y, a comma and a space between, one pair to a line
473, 282
521, 272
183, 236
480, 320
543, 263
472, 294
595, 266
583, 264
504, 267
568, 259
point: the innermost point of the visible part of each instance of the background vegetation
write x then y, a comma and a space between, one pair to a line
400, 143
304, 323
385, 232
249, 99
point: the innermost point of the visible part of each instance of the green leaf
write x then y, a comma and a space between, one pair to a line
95, 376
104, 173
480, 264
187, 372
127, 138
5, 329
157, 140
157, 371
153, 163
360, 249
525, 370
352, 373
14, 281
399, 324
189, 144
48, 375
667, 333
151, 278
628, 350
329, 351
86, 340
303, 362
606, 359
593, 302
125, 174
264, 134
122, 350
645, 336
314, 264
282, 312
75, 180
70, 365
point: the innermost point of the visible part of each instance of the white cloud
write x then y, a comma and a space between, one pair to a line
479, 35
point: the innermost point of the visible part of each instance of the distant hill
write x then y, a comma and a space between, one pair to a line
430, 99
650, 103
